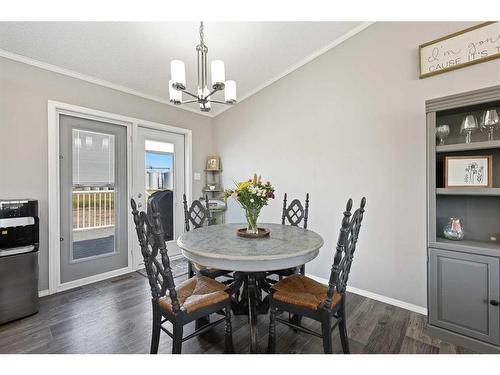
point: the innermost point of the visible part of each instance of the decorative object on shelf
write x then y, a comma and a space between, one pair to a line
213, 163
454, 230
489, 122
213, 188
468, 171
468, 127
252, 195
474, 45
442, 132
177, 83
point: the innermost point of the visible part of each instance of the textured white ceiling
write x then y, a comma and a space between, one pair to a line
137, 54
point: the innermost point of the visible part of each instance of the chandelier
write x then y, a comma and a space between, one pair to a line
177, 83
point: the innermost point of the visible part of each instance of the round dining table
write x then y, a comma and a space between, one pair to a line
251, 260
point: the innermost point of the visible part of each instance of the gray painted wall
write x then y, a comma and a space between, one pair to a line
348, 124
24, 92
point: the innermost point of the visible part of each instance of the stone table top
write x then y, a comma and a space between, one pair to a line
218, 246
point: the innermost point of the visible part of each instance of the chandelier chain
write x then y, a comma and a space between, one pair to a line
202, 35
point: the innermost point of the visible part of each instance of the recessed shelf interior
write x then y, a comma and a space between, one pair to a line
478, 208
453, 118
495, 152
480, 215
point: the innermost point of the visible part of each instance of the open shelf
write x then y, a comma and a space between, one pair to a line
469, 191
465, 245
468, 146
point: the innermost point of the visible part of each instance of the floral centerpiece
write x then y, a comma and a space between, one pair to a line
252, 195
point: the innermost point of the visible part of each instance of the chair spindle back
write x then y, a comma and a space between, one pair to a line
197, 214
346, 246
151, 240
295, 212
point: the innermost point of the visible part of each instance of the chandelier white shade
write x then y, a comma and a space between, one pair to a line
204, 94
217, 73
178, 72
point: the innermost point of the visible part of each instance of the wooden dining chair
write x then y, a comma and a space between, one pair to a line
192, 299
197, 216
294, 214
300, 295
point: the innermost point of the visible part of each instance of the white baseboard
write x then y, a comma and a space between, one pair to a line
43, 293
92, 279
378, 297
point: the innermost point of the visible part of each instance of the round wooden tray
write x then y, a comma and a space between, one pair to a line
263, 232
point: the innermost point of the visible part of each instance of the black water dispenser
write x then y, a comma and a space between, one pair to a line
19, 241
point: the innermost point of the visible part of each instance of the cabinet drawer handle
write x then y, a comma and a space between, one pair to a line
493, 302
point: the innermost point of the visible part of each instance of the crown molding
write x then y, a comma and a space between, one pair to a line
158, 99
302, 62
94, 80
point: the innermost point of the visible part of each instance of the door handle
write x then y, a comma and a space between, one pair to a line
493, 302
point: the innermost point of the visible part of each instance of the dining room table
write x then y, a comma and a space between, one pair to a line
251, 261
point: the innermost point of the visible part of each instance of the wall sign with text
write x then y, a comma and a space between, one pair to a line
470, 46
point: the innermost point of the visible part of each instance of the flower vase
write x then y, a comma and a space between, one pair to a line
252, 215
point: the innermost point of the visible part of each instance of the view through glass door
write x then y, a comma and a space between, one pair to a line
159, 166
93, 186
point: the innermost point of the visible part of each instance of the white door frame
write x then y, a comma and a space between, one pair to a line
138, 186
55, 109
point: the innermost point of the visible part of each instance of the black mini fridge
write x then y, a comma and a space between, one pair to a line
19, 241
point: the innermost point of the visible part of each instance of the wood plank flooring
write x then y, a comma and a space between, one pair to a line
114, 316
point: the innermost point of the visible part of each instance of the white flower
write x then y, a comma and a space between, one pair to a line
251, 200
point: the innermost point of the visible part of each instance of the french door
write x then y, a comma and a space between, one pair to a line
97, 162
93, 198
159, 165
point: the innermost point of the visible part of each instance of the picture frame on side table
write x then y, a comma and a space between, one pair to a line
468, 171
213, 163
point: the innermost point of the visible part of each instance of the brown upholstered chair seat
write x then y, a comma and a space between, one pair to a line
196, 293
302, 291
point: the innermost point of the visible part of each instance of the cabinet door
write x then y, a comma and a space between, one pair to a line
461, 288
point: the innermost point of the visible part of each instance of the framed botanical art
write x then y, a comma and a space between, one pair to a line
468, 171
213, 163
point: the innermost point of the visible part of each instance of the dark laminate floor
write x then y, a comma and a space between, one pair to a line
114, 316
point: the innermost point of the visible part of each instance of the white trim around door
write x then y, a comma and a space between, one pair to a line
55, 109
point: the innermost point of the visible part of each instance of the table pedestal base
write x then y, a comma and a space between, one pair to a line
247, 299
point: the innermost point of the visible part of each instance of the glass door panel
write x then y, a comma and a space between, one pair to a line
93, 184
93, 194
159, 174
159, 166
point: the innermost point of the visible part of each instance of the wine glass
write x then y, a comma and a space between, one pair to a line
442, 133
469, 126
489, 122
